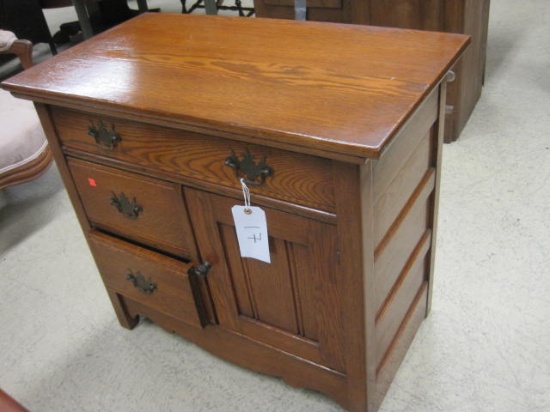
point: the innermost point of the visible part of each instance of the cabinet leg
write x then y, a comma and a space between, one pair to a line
125, 319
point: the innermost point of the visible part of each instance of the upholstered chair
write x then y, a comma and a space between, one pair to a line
24, 151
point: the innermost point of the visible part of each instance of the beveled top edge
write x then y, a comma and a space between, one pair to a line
338, 88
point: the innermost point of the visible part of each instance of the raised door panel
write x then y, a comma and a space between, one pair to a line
293, 303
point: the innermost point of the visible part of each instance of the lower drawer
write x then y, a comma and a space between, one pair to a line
150, 278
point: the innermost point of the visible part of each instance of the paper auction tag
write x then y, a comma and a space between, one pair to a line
251, 227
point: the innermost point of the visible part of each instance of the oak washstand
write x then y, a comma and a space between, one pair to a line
337, 132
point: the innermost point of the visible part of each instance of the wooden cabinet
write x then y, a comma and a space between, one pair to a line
152, 135
469, 17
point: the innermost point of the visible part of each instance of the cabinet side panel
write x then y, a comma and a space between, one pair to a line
400, 345
391, 164
404, 181
401, 297
391, 201
356, 266
405, 185
403, 237
437, 152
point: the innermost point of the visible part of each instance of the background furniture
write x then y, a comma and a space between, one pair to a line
24, 151
212, 7
456, 16
26, 19
343, 157
97, 15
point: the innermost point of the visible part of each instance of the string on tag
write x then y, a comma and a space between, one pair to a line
246, 194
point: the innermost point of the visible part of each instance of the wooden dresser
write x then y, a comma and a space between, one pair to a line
469, 17
337, 132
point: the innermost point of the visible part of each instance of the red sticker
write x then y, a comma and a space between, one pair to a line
92, 182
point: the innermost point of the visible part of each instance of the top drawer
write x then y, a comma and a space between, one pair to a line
296, 178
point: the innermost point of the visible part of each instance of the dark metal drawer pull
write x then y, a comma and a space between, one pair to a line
130, 209
145, 286
105, 138
200, 270
253, 173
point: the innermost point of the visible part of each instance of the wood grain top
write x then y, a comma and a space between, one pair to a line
335, 88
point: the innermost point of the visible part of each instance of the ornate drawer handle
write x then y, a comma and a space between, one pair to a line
130, 209
105, 138
145, 286
253, 173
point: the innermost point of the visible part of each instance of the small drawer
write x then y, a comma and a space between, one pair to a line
142, 209
293, 177
155, 280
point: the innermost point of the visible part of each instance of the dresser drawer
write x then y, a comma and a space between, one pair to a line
293, 177
145, 210
155, 280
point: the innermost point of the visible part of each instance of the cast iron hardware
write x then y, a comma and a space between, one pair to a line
200, 270
145, 286
253, 173
195, 273
131, 210
105, 138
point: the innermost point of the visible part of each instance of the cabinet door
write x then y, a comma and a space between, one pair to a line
292, 304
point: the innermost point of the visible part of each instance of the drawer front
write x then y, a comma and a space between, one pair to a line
292, 177
144, 276
144, 210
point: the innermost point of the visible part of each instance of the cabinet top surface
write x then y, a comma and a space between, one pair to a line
336, 88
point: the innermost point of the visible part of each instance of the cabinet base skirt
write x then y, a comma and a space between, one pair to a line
249, 354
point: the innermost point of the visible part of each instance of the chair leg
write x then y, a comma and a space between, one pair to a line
142, 6
239, 7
